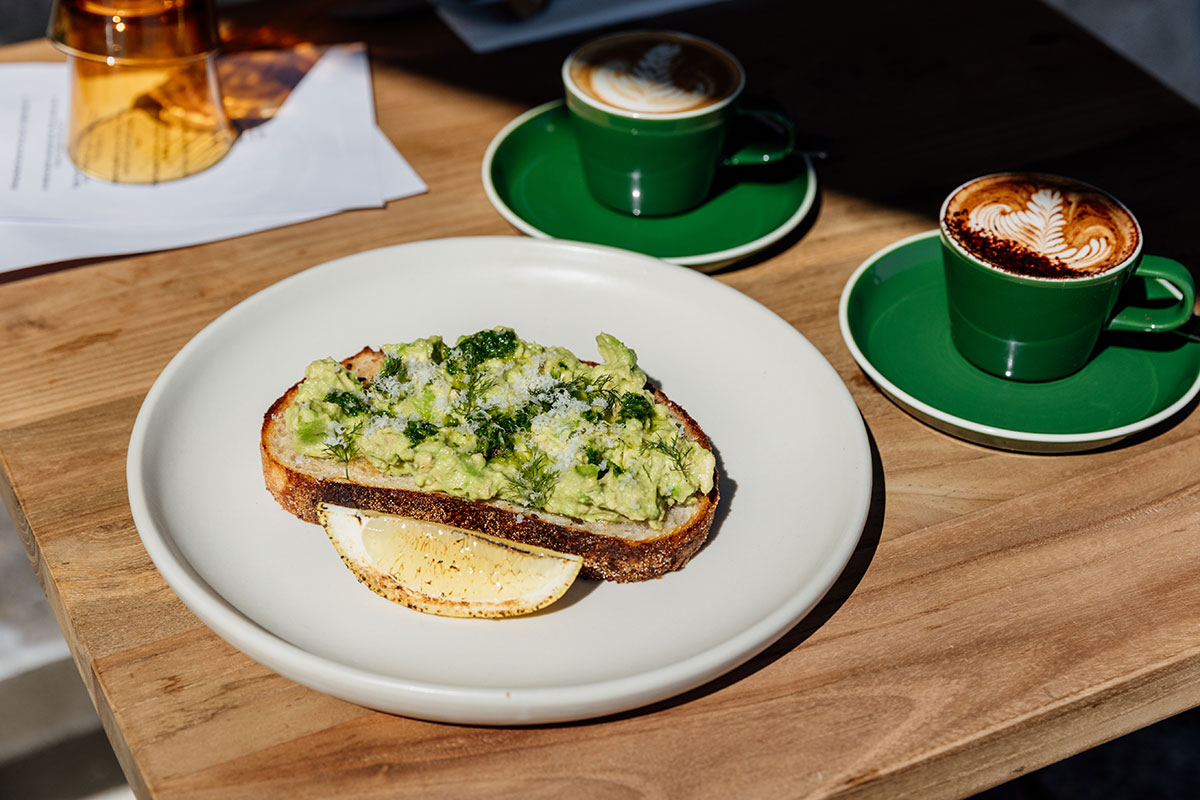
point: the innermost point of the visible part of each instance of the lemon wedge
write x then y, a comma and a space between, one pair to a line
440, 569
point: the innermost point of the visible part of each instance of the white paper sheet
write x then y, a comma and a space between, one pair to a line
322, 153
25, 243
315, 154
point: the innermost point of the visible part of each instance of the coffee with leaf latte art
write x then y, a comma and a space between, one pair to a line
1041, 226
654, 73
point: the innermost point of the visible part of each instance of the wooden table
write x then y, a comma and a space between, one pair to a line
1003, 611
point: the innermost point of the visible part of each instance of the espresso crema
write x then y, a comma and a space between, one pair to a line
654, 73
1041, 226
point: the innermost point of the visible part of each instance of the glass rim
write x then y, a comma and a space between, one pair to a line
107, 38
131, 61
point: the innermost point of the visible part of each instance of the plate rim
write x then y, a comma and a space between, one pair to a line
712, 260
470, 704
977, 432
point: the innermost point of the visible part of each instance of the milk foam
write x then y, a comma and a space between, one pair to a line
650, 72
649, 83
1039, 226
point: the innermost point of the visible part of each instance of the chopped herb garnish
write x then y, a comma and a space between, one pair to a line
350, 404
418, 430
494, 437
594, 456
393, 367
473, 350
497, 433
635, 406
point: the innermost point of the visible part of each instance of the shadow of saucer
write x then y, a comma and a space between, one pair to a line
785, 242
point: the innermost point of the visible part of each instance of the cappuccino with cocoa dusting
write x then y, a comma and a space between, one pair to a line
1040, 226
655, 72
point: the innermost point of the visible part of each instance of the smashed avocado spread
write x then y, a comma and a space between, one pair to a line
497, 417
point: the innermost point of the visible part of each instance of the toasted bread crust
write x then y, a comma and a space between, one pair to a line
301, 483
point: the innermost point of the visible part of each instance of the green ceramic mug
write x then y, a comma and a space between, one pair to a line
656, 113
1035, 270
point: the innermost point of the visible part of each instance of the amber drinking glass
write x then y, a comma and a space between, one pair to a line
145, 100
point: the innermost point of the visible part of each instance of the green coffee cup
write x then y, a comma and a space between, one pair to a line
1047, 323
657, 113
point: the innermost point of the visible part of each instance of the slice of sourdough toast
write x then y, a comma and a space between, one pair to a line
616, 551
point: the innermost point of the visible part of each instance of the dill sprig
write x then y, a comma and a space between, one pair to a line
588, 389
342, 446
534, 482
477, 385
592, 389
677, 451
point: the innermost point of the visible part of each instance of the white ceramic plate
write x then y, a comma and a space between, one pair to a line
791, 445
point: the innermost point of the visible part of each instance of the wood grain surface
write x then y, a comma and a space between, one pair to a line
1002, 611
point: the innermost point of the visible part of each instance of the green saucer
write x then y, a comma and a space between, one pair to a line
533, 176
894, 320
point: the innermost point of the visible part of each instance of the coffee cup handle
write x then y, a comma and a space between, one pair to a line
761, 136
1178, 278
